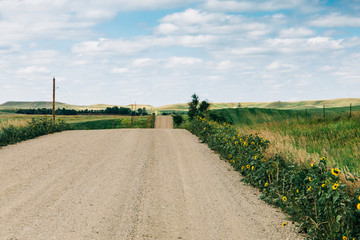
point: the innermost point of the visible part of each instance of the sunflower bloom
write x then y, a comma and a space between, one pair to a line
267, 184
312, 165
359, 198
297, 190
358, 206
310, 179
242, 167
247, 166
345, 238
323, 185
284, 224
335, 171
284, 199
323, 158
309, 189
335, 186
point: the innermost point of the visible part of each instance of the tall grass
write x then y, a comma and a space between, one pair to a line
313, 194
338, 140
36, 127
303, 136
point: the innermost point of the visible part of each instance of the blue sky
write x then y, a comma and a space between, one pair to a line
159, 52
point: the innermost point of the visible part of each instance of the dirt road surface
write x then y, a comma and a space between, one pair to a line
164, 122
128, 184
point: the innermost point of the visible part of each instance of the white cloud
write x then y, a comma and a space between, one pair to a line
280, 67
136, 45
245, 6
336, 20
296, 32
120, 70
195, 22
182, 61
33, 70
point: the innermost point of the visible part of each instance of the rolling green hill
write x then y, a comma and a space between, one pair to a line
316, 104
249, 116
40, 104
333, 103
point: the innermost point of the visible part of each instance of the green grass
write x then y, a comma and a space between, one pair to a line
336, 137
114, 123
314, 195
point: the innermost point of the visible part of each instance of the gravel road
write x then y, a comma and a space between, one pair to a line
165, 122
128, 184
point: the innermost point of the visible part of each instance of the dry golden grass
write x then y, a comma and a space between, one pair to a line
284, 145
15, 120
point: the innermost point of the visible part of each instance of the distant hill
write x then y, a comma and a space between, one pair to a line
27, 105
343, 102
333, 103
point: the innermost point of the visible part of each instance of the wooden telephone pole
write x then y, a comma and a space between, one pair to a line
53, 110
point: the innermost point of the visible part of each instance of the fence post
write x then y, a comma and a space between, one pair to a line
53, 108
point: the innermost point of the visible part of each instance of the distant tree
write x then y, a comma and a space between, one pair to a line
178, 119
195, 110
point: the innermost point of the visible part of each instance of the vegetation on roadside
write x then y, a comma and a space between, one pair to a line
312, 194
299, 135
119, 122
33, 129
107, 111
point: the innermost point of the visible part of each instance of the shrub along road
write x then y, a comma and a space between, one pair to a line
128, 184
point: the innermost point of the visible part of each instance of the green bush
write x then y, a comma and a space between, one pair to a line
35, 128
178, 119
314, 196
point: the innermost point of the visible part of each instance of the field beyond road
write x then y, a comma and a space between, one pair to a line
128, 184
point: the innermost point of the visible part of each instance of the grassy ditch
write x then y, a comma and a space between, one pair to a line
295, 136
313, 194
34, 128
119, 122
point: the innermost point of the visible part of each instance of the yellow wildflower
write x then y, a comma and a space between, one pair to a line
312, 165
335, 171
309, 189
335, 186
284, 198
323, 185
242, 167
297, 190
252, 168
284, 224
345, 238
247, 166
310, 179
323, 158
266, 184
358, 206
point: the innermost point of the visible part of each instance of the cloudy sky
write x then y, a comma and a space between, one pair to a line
161, 51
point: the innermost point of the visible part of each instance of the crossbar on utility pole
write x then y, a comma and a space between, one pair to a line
53, 109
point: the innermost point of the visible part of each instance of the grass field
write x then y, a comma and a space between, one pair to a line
81, 121
316, 104
305, 137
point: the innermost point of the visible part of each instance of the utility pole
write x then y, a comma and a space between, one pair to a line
53, 110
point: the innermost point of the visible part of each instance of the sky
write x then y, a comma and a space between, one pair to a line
160, 52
